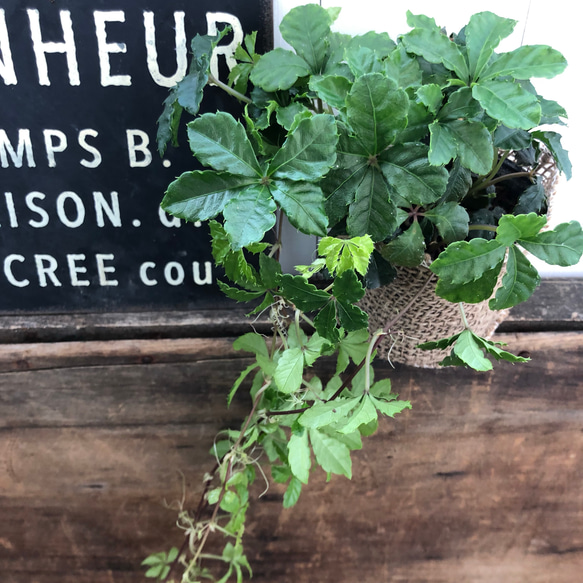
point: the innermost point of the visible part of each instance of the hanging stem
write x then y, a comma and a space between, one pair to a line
464, 318
229, 90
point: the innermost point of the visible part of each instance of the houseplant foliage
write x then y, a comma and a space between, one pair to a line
394, 153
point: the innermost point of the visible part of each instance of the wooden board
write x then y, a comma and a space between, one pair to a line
482, 481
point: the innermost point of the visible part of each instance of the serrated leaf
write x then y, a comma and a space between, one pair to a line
518, 283
442, 145
441, 344
339, 187
483, 34
408, 171
561, 246
331, 454
269, 271
325, 323
553, 142
499, 354
526, 62
372, 213
289, 370
390, 408
461, 105
248, 216
430, 96
347, 287
252, 342
512, 138
220, 141
299, 457
451, 219
355, 345
532, 200
309, 150
168, 123
376, 110
303, 204
470, 352
306, 29
322, 414
364, 413
508, 102
292, 493
239, 381
408, 249
351, 317
278, 70
513, 227
240, 295
202, 195
331, 89
458, 185
287, 116
344, 254
472, 292
306, 296
466, 261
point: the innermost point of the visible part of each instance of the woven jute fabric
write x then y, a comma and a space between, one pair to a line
431, 317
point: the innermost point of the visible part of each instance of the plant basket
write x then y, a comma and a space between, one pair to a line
431, 317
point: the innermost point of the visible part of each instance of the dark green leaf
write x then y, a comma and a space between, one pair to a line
287, 116
347, 287
443, 146
240, 295
451, 220
362, 60
351, 317
430, 96
460, 105
168, 123
220, 141
408, 249
561, 246
553, 142
331, 89
269, 271
380, 272
325, 323
459, 183
278, 69
306, 296
511, 138
532, 200
472, 292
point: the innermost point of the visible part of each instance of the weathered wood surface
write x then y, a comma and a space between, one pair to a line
481, 482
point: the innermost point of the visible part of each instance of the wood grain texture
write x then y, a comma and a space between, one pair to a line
481, 482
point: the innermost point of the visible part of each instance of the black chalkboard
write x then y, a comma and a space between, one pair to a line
82, 85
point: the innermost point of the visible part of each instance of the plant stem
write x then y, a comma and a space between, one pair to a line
463, 313
479, 227
376, 336
229, 90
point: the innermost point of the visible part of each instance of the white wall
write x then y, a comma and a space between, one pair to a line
555, 24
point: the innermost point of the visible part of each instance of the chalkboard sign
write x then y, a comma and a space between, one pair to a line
82, 85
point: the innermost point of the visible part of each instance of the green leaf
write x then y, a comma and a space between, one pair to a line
347, 287
483, 34
553, 142
532, 200
518, 283
511, 228
220, 141
351, 317
511, 138
269, 271
309, 150
306, 29
362, 60
339, 187
526, 62
430, 96
303, 204
287, 117
451, 220
289, 370
332, 89
442, 146
435, 47
240, 295
299, 457
461, 105
459, 183
499, 354
168, 123
376, 111
372, 213
466, 261
344, 254
252, 342
248, 216
408, 249
441, 344
306, 296
325, 323
470, 352
278, 70
239, 381
292, 493
380, 43
354, 345
508, 102
407, 169
561, 246
363, 414
202, 195
390, 408
331, 412
472, 292
331, 454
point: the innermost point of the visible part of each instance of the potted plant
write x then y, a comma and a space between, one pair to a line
419, 151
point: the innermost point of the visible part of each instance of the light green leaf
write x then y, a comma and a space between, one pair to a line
331, 89
380, 43
499, 354
278, 69
306, 29
408, 249
239, 380
407, 169
292, 493
372, 213
469, 351
451, 220
376, 110
306, 296
248, 216
508, 102
561, 246
220, 141
299, 457
303, 204
331, 454
252, 342
202, 195
526, 62
466, 261
442, 146
364, 413
289, 370
430, 96
435, 47
441, 344
354, 346
513, 227
518, 283
390, 408
322, 414
362, 60
344, 254
309, 150
483, 34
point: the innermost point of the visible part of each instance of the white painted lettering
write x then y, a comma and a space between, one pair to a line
105, 49
16, 155
11, 209
41, 48
144, 268
75, 269
8, 261
212, 18
43, 220
82, 138
51, 147
168, 220
79, 217
142, 147
208, 276
46, 266
152, 53
103, 270
174, 273
111, 209
7, 71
